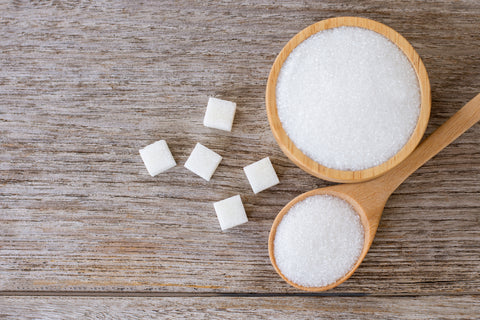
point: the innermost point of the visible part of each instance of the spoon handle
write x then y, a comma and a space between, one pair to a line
460, 122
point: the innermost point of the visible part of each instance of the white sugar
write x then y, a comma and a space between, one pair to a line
230, 212
348, 98
261, 175
219, 114
203, 161
318, 241
157, 157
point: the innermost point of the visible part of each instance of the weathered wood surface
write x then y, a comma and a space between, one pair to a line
84, 85
238, 308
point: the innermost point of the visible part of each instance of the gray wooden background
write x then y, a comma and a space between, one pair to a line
86, 232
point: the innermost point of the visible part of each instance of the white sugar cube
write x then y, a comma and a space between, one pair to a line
261, 175
203, 161
230, 212
157, 157
219, 114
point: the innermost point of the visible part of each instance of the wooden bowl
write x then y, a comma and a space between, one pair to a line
306, 163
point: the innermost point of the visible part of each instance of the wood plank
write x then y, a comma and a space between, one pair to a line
84, 85
411, 308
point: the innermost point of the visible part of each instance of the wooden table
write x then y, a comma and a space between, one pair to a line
85, 232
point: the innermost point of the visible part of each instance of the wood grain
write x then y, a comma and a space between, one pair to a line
84, 85
239, 308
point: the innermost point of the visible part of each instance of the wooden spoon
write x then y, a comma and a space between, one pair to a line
369, 198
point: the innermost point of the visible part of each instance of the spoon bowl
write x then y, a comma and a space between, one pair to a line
369, 198
339, 193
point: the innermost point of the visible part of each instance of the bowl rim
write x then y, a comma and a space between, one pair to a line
305, 162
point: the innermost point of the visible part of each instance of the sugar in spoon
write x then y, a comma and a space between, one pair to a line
369, 198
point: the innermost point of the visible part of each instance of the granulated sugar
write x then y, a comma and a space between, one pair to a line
348, 98
318, 241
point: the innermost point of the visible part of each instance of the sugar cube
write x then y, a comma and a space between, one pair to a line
157, 157
203, 161
219, 114
261, 175
230, 212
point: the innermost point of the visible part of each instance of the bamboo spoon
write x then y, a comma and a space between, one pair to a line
306, 163
369, 198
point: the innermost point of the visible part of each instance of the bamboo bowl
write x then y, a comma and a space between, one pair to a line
306, 163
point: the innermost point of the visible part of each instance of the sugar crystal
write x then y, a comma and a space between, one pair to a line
348, 98
318, 241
